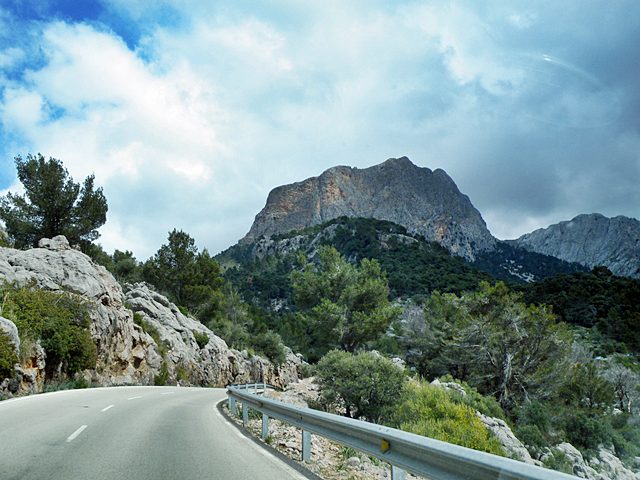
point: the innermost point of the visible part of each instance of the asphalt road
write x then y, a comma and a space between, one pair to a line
132, 433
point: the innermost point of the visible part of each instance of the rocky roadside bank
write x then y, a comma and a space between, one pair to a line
140, 335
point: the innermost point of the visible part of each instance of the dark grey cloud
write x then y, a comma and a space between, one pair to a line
532, 108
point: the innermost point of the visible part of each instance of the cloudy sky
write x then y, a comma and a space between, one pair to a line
190, 111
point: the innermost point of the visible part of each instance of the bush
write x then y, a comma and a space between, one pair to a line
484, 404
137, 319
201, 338
271, 345
558, 461
531, 436
586, 431
366, 384
74, 384
8, 357
430, 411
162, 377
59, 320
306, 370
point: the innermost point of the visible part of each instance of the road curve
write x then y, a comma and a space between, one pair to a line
137, 433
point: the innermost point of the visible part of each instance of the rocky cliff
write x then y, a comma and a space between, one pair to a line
591, 240
426, 202
128, 353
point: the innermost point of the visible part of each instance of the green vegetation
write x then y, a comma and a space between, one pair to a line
494, 341
189, 278
537, 264
413, 265
431, 411
201, 338
365, 384
60, 321
162, 377
52, 205
8, 357
344, 306
608, 305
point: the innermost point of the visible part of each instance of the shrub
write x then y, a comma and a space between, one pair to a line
586, 431
306, 370
201, 338
137, 319
74, 384
8, 357
558, 461
163, 375
271, 345
59, 320
484, 404
430, 411
366, 384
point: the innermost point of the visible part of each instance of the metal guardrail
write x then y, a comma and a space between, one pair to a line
404, 451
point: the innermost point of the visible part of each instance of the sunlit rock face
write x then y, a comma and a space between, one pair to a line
591, 240
127, 353
426, 202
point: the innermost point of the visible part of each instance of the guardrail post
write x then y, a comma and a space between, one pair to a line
306, 446
255, 388
232, 406
397, 473
265, 426
245, 414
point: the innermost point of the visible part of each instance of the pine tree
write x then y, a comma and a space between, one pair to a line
52, 205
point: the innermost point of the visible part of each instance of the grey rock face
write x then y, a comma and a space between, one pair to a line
604, 465
215, 363
126, 353
426, 202
509, 441
591, 240
8, 327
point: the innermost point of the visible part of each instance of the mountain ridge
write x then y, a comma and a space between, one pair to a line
427, 202
591, 240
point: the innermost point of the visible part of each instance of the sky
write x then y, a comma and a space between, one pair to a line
188, 112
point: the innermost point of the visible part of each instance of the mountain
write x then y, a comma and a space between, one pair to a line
591, 240
426, 202
261, 269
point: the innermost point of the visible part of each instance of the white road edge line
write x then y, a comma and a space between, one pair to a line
107, 408
71, 437
133, 398
263, 450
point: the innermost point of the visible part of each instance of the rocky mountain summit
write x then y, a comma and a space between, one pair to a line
591, 240
426, 202
163, 340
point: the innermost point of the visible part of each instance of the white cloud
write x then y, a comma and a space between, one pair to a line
212, 109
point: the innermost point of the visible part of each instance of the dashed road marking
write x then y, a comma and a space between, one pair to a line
167, 393
133, 398
107, 408
71, 437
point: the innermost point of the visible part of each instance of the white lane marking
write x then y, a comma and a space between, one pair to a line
107, 408
167, 393
71, 437
133, 398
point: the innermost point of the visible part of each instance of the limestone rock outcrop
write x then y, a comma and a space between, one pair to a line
591, 240
514, 447
426, 202
127, 354
604, 465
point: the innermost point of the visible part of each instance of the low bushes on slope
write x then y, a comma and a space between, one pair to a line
430, 411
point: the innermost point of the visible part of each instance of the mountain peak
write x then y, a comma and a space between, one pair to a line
591, 240
426, 202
